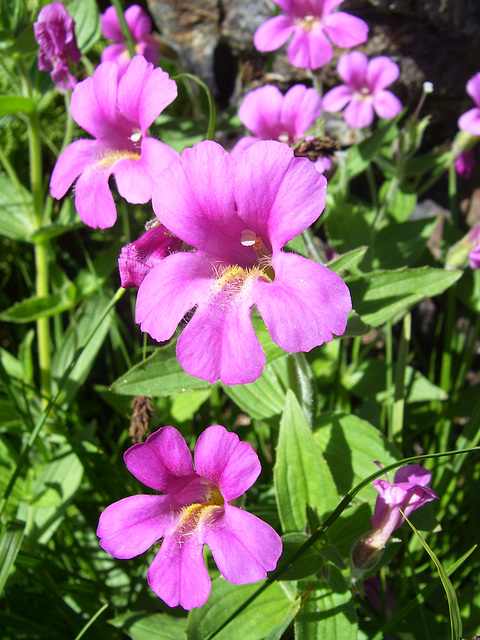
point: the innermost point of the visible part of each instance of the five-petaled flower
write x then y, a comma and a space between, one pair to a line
364, 89
238, 215
408, 492
55, 34
310, 22
269, 115
195, 510
470, 121
117, 112
140, 27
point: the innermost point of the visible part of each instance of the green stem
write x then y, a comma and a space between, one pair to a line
127, 36
389, 377
212, 112
400, 369
67, 138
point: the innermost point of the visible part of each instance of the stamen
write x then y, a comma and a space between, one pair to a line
136, 135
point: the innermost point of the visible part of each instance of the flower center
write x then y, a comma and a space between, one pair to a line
363, 94
308, 22
114, 156
191, 516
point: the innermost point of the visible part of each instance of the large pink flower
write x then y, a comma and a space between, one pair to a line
364, 89
117, 112
238, 215
269, 115
310, 22
195, 510
470, 121
55, 33
140, 27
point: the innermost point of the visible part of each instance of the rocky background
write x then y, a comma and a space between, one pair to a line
435, 40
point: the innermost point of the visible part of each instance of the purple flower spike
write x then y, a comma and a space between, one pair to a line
194, 510
364, 89
310, 22
408, 492
137, 258
238, 215
55, 34
140, 27
470, 121
117, 113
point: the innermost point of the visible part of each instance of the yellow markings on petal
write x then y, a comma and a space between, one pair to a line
308, 22
113, 156
193, 515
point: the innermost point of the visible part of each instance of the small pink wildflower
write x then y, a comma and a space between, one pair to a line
140, 27
238, 215
117, 112
464, 163
408, 492
269, 115
470, 121
195, 510
474, 255
364, 89
55, 34
310, 22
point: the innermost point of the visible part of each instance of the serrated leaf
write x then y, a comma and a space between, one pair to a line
254, 622
301, 474
34, 308
382, 295
328, 611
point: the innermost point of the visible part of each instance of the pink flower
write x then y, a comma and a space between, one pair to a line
464, 163
470, 121
140, 27
55, 34
138, 257
408, 492
364, 89
474, 255
117, 112
195, 510
269, 115
238, 214
310, 22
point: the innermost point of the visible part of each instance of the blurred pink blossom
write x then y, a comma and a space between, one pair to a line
474, 255
195, 510
55, 34
117, 112
140, 27
364, 89
470, 121
310, 22
464, 163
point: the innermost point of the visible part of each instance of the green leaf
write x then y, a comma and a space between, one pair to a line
34, 308
87, 23
367, 380
254, 622
361, 155
403, 201
185, 405
382, 295
301, 473
398, 245
351, 447
14, 104
454, 611
15, 210
347, 261
157, 376
307, 565
10, 543
148, 626
328, 611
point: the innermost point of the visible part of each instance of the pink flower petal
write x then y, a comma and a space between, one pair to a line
130, 526
309, 50
158, 92
93, 198
305, 305
110, 25
221, 457
336, 99
243, 546
93, 103
138, 22
219, 342
242, 145
273, 33
177, 284
178, 574
414, 474
352, 68
470, 121
344, 30
301, 107
163, 462
473, 88
260, 110
74, 159
387, 105
381, 72
359, 113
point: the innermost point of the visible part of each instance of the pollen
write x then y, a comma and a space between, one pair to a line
115, 156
